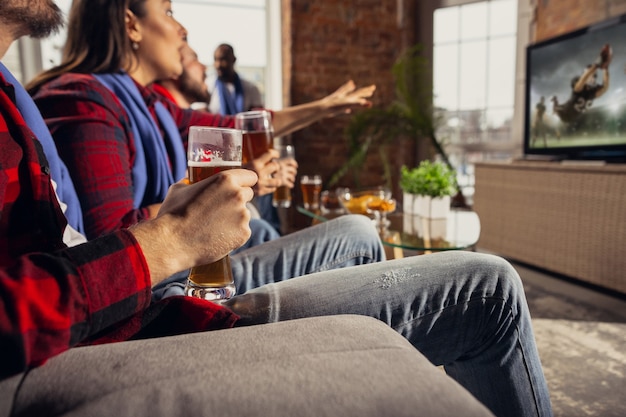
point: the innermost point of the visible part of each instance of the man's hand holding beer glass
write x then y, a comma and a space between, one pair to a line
209, 152
187, 233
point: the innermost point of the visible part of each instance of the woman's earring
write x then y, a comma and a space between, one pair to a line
135, 46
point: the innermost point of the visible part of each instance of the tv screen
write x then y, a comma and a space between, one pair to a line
576, 94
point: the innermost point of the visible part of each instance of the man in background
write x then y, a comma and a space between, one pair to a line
231, 94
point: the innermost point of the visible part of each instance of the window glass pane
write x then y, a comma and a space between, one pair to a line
446, 76
473, 125
501, 72
448, 127
204, 38
499, 122
245, 3
473, 80
446, 25
11, 60
484, 77
474, 21
503, 17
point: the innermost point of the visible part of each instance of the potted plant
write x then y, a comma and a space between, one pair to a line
428, 188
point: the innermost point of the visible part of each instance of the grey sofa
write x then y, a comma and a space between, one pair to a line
324, 366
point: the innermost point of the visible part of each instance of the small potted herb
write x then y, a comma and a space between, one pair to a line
428, 189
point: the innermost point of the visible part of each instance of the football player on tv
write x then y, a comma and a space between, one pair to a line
585, 88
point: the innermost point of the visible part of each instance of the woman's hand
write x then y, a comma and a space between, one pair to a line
267, 169
347, 97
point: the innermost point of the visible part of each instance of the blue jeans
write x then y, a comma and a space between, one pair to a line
268, 212
345, 241
464, 310
260, 232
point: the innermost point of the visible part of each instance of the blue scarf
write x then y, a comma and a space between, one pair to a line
228, 103
58, 171
152, 174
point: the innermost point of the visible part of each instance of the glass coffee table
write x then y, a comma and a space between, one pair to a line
406, 232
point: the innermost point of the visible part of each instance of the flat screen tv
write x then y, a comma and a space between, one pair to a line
576, 94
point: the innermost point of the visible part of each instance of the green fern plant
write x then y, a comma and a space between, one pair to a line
410, 115
432, 179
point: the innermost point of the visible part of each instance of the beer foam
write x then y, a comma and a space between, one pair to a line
214, 163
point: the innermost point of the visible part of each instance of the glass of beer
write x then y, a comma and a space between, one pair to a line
212, 150
282, 195
258, 133
311, 186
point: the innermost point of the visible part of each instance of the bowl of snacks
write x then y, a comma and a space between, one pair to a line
356, 202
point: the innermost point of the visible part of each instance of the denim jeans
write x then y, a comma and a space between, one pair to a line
260, 232
268, 212
463, 310
345, 241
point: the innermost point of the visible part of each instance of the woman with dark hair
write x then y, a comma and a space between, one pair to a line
121, 143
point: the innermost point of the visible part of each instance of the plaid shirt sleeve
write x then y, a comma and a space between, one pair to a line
77, 107
53, 297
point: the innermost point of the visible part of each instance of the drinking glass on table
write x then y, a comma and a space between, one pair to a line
311, 186
282, 195
258, 133
329, 202
212, 150
380, 204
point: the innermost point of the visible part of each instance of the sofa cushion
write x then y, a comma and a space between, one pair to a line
334, 366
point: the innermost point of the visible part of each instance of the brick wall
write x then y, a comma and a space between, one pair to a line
554, 17
327, 42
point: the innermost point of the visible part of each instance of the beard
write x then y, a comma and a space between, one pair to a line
38, 18
192, 89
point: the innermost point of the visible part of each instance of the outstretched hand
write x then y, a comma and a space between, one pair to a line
347, 97
343, 100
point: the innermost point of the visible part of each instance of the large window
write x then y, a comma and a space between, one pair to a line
474, 67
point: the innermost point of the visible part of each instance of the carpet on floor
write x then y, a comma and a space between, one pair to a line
582, 350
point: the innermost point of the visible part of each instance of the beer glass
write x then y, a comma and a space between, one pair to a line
258, 133
212, 150
311, 186
282, 195
380, 204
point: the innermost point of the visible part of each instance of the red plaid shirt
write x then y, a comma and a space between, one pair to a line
53, 297
93, 136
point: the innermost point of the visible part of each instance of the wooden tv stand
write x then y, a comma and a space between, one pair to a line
564, 217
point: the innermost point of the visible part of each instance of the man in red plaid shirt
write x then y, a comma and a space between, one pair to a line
52, 297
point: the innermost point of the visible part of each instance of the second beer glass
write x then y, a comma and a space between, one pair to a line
282, 195
311, 186
258, 134
212, 150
